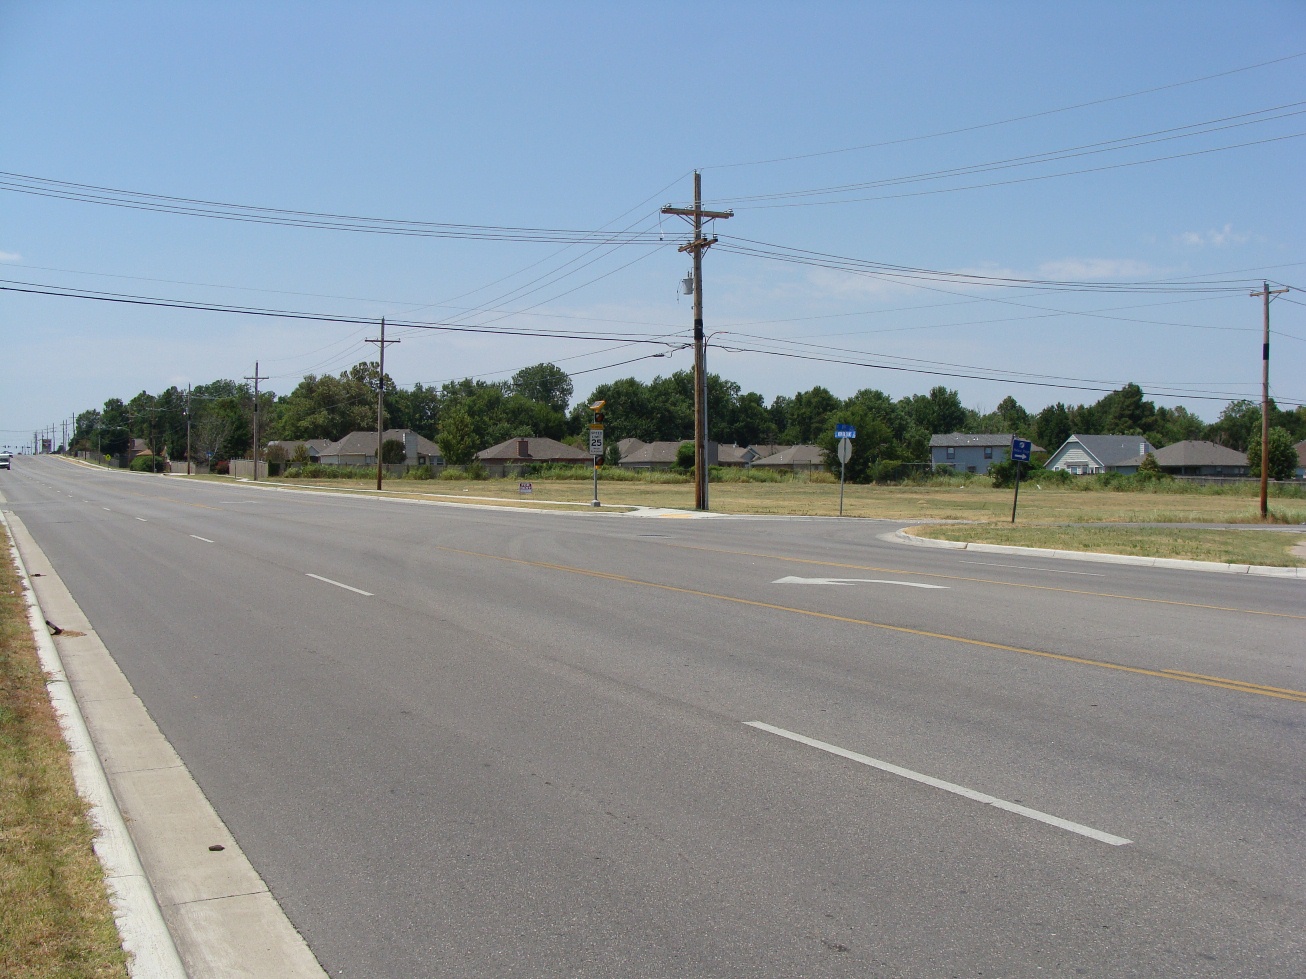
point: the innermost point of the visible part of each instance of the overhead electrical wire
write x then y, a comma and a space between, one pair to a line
1012, 119
1024, 180
1116, 145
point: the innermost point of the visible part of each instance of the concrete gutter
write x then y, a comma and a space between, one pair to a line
189, 904
1142, 562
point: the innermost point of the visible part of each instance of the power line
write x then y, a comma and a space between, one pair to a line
1025, 180
1049, 156
1012, 119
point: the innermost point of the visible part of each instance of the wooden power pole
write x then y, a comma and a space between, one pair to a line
697, 247
255, 379
1267, 293
380, 399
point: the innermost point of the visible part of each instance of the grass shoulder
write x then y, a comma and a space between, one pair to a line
1268, 548
55, 918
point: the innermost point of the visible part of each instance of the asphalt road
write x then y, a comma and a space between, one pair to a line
475, 742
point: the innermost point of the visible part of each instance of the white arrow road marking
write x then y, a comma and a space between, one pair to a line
791, 580
938, 783
340, 584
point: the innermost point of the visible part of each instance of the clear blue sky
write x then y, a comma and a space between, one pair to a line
578, 115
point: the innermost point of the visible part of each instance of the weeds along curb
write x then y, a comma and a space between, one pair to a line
145, 936
1174, 564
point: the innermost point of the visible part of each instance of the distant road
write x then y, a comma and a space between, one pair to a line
473, 742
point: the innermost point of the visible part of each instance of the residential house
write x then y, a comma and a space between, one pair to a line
737, 456
798, 458
663, 455
1086, 454
359, 449
1300, 471
1196, 458
626, 446
518, 452
313, 447
972, 453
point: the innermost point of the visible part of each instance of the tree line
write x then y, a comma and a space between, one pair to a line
466, 416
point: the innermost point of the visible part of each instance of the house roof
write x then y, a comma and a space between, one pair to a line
627, 446
1113, 450
734, 455
537, 450
364, 443
652, 453
957, 440
1196, 453
314, 446
795, 455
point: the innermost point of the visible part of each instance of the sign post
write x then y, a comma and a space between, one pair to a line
1019, 453
845, 434
596, 445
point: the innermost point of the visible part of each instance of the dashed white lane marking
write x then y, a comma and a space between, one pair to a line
340, 584
792, 580
1021, 567
204, 539
142, 520
106, 508
884, 766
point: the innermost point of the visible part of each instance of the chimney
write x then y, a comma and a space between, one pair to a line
523, 448
410, 447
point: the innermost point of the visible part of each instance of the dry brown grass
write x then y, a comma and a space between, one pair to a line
55, 919
973, 501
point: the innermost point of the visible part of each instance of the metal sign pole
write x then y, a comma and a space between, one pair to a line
842, 467
1017, 494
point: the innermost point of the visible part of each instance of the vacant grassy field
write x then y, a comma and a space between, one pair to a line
968, 501
1260, 547
55, 920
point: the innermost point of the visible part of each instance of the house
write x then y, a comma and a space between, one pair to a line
798, 458
739, 457
1195, 458
663, 455
1300, 471
626, 446
651, 455
359, 449
313, 447
1086, 454
972, 453
497, 459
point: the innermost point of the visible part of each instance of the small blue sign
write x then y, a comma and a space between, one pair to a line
1020, 450
845, 432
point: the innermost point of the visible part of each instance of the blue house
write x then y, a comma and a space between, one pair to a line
970, 453
1087, 454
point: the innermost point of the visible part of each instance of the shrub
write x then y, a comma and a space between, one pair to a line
420, 472
222, 467
148, 464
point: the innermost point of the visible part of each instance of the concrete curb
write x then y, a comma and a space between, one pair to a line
1142, 562
145, 936
222, 918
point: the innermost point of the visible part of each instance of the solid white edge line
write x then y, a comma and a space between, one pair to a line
204, 539
340, 584
884, 766
145, 936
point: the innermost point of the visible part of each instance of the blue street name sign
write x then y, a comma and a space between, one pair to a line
845, 432
1020, 450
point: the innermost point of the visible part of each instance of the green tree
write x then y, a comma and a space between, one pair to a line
1283, 454
685, 456
546, 384
456, 436
393, 452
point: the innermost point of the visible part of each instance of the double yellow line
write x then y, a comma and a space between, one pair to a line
1238, 686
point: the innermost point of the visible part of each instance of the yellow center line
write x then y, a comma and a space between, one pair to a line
1235, 685
987, 581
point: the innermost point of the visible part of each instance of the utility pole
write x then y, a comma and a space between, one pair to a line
1267, 293
380, 400
697, 247
188, 428
255, 379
